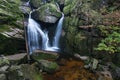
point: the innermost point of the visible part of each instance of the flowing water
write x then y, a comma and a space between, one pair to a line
58, 32
35, 33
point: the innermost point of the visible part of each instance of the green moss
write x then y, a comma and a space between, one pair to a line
4, 61
70, 6
48, 66
36, 3
49, 9
39, 56
4, 28
32, 73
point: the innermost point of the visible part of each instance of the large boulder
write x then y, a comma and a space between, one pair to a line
79, 27
23, 72
36, 3
48, 66
10, 25
4, 61
48, 13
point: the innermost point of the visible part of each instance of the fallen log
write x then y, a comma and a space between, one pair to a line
46, 52
47, 55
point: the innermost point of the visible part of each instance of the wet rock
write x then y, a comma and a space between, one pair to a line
48, 13
4, 61
3, 77
4, 68
48, 66
25, 9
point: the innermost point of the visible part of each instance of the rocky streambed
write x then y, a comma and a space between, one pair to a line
48, 67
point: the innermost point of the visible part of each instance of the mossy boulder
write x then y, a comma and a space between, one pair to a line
36, 3
22, 72
10, 15
80, 13
10, 22
4, 61
48, 13
8, 11
25, 9
48, 66
44, 55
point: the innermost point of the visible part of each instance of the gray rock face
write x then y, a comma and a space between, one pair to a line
4, 68
50, 19
48, 13
25, 9
14, 33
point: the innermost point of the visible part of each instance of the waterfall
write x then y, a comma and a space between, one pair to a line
27, 3
35, 32
33, 39
58, 32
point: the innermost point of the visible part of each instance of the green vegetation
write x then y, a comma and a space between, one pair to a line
111, 41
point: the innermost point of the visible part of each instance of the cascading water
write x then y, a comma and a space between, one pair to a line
27, 3
35, 32
33, 39
58, 32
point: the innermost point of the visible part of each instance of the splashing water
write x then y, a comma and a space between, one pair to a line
34, 32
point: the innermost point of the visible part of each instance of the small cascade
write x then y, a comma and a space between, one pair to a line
58, 32
58, 6
35, 34
27, 3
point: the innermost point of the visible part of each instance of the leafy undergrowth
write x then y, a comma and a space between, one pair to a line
70, 70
